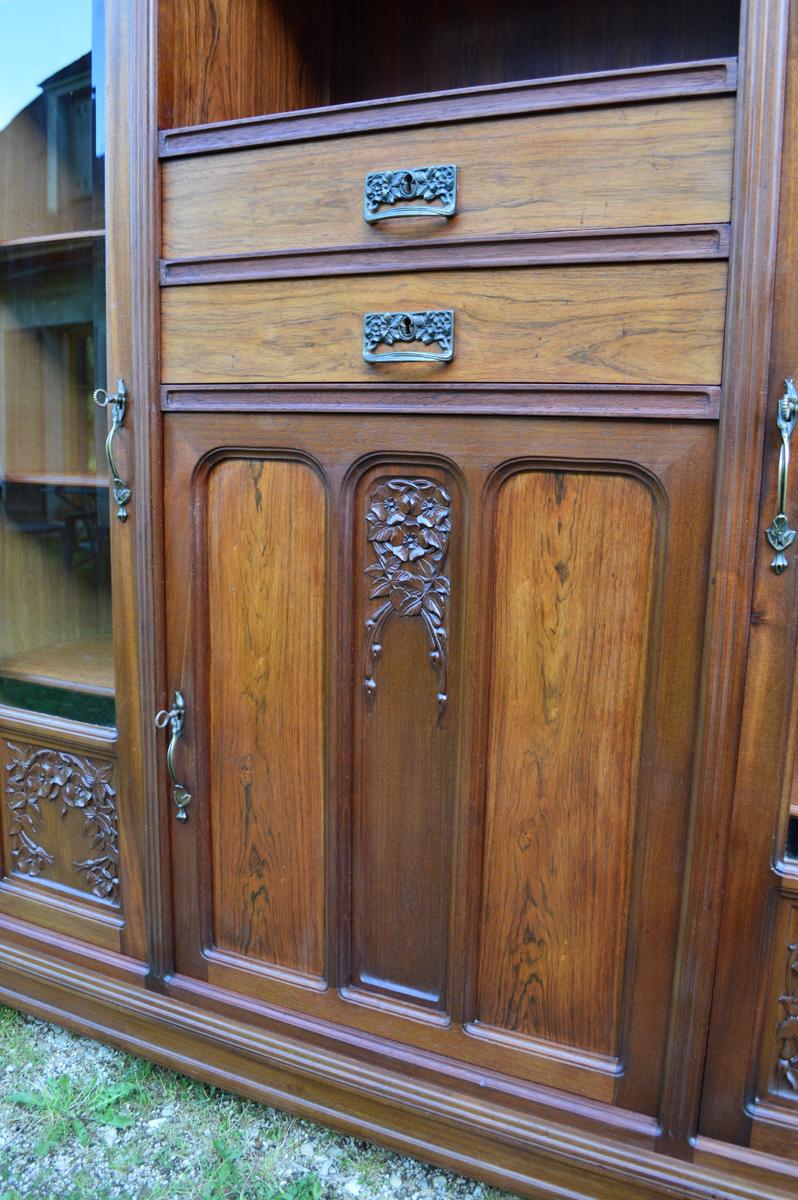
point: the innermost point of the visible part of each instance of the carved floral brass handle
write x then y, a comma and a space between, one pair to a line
387, 193
388, 328
175, 718
779, 533
117, 403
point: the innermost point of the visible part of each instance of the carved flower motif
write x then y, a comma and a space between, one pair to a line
423, 509
436, 181
75, 794
409, 523
46, 776
425, 590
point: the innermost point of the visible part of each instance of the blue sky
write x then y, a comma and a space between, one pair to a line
37, 37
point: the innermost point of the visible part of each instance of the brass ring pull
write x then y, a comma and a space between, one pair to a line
779, 533
386, 193
117, 404
175, 718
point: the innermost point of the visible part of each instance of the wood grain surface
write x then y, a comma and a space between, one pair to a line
573, 587
266, 596
653, 323
666, 163
405, 776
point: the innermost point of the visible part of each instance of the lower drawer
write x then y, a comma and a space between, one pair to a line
655, 323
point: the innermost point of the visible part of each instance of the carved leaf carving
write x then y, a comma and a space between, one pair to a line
36, 775
409, 524
787, 1030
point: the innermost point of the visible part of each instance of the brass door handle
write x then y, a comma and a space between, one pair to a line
779, 533
175, 718
117, 402
387, 193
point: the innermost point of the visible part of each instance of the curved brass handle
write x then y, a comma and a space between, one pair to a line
386, 193
117, 402
779, 533
174, 718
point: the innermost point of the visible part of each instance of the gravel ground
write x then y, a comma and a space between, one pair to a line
80, 1121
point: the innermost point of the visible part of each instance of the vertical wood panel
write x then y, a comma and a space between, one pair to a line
222, 59
574, 561
405, 754
266, 547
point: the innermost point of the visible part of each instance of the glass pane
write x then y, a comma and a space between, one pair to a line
51, 142
55, 580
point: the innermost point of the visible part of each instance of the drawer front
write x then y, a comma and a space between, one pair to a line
653, 323
666, 163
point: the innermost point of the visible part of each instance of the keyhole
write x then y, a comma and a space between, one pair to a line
406, 184
407, 328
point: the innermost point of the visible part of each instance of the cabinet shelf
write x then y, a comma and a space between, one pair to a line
82, 665
56, 479
52, 239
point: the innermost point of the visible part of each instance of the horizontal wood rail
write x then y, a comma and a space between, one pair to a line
588, 400
575, 91
679, 242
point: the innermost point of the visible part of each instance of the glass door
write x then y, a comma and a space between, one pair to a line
55, 582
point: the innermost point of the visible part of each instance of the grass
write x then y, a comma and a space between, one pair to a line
81, 1121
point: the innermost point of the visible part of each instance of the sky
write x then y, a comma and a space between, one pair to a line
37, 37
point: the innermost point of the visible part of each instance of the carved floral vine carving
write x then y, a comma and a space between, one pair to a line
36, 775
409, 523
787, 1031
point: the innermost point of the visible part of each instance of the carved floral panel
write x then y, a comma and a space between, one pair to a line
408, 528
81, 788
787, 1030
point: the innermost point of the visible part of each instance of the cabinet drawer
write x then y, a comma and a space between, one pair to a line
655, 323
665, 163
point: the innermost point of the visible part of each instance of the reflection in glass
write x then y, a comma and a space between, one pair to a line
50, 145
55, 589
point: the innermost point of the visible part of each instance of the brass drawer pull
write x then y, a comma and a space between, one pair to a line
387, 193
779, 533
386, 328
174, 718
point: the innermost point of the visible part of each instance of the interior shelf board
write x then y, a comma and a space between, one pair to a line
81, 665
52, 239
56, 478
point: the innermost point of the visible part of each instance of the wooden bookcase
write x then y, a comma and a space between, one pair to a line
476, 833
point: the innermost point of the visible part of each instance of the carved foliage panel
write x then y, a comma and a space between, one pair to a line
786, 1031
409, 523
409, 542
60, 819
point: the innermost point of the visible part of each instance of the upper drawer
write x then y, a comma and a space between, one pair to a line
663, 163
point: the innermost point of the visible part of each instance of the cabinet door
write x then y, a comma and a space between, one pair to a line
441, 679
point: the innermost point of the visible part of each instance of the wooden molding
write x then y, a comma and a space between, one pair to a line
666, 403
509, 1147
755, 206
133, 206
682, 242
72, 735
577, 91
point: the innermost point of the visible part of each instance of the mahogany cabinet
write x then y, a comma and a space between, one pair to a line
447, 796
